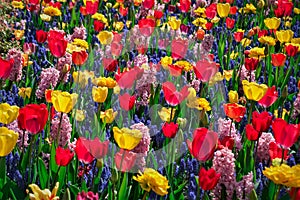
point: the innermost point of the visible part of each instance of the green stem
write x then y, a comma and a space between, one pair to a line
145, 195
2, 171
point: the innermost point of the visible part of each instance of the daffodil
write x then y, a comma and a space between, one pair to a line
25, 92
127, 138
79, 115
174, 23
233, 96
227, 74
165, 114
108, 116
245, 42
185, 65
45, 194
200, 12
52, 11
249, 8
45, 17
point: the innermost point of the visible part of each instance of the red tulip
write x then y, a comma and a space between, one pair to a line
55, 5
82, 152
171, 8
295, 193
63, 156
170, 129
209, 25
34, 2
91, 7
184, 28
57, 44
6, 67
33, 118
97, 148
146, 26
238, 36
211, 11
110, 64
284, 8
291, 50
208, 179
126, 101
200, 34
234, 111
79, 57
262, 33
184, 5
148, 4
179, 48
41, 36
251, 63
227, 142
98, 25
261, 121
82, 10
251, 133
123, 11
204, 144
269, 98
126, 79
285, 134
278, 59
175, 70
172, 96
158, 14
276, 152
205, 70
233, 10
125, 160
229, 23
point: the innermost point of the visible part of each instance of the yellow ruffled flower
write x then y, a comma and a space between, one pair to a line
185, 65
272, 23
257, 52
199, 104
200, 22
45, 194
127, 138
82, 77
118, 26
223, 9
165, 114
249, 8
128, 24
52, 11
166, 61
82, 44
8, 113
297, 11
45, 17
79, 115
19, 34
105, 82
99, 94
254, 91
200, 12
233, 96
105, 37
8, 140
152, 180
284, 35
296, 40
216, 78
25, 92
267, 40
17, 4
108, 116
174, 23
227, 74
63, 101
245, 42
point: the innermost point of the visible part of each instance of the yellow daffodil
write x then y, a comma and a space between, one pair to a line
216, 78
174, 23
99, 94
17, 4
63, 101
254, 91
45, 194
233, 96
82, 44
82, 77
25, 92
117, 89
166, 61
272, 23
105, 37
223, 9
284, 35
284, 112
165, 114
52, 11
45, 17
215, 20
267, 40
287, 24
8, 113
245, 42
257, 52
108, 116
234, 55
249, 8
19, 34
200, 22
200, 12
127, 138
105, 82
199, 104
128, 24
152, 180
79, 115
118, 26
227, 74
260, 3
8, 140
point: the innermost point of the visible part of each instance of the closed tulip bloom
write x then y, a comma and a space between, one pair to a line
125, 160
127, 138
41, 36
8, 113
233, 96
63, 101
63, 156
83, 153
57, 43
278, 59
8, 140
261, 121
99, 94
223, 9
6, 68
79, 57
126, 101
234, 111
170, 129
165, 114
105, 37
251, 63
272, 23
284, 36
208, 179
251, 133
254, 91
291, 50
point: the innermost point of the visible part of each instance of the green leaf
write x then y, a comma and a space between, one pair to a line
67, 195
74, 189
61, 178
53, 164
123, 192
43, 174
253, 195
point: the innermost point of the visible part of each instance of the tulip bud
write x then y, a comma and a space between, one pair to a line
99, 163
284, 93
260, 4
182, 122
233, 96
114, 175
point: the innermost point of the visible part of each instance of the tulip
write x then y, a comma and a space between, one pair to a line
230, 23
276, 152
208, 179
226, 142
254, 91
63, 156
285, 134
261, 121
105, 37
87, 195
126, 101
45, 194
294, 193
262, 33
97, 148
278, 59
98, 25
172, 96
291, 50
200, 34
234, 111
251, 63
257, 52
41, 36
8, 113
108, 116
33, 118
233, 10
251, 133
110, 64
57, 44
127, 138
99, 94
233, 96
174, 23
223, 9
125, 160
205, 70
6, 67
116, 48
272, 23
179, 48
165, 114
8, 140
184, 5
267, 40
91, 6
146, 26
63, 101
238, 36
126, 79
148, 4
170, 129
269, 98
83, 154
79, 57
284, 36
204, 144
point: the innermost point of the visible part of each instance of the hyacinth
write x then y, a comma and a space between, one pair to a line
48, 78
63, 65
23, 135
296, 111
79, 32
263, 146
143, 85
245, 75
224, 130
16, 72
224, 163
207, 43
140, 60
245, 185
143, 147
65, 129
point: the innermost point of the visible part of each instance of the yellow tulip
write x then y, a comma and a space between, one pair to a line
249, 8
8, 140
267, 40
297, 11
79, 115
45, 194
118, 26
223, 9
105, 82
127, 138
272, 23
284, 35
82, 77
257, 52
17, 4
8, 113
233, 96
105, 37
215, 20
81, 44
108, 116
165, 114
199, 104
166, 61
63, 101
99, 94
174, 23
254, 91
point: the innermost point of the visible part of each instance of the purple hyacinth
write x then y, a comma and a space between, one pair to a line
65, 129
62, 66
16, 72
48, 78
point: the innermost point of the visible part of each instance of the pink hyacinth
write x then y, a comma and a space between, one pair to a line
48, 78
143, 86
79, 32
23, 136
65, 129
246, 185
245, 75
16, 71
63, 66
263, 146
224, 130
